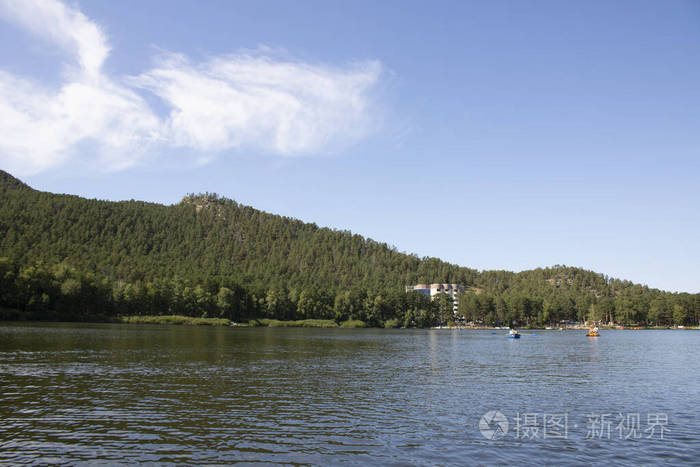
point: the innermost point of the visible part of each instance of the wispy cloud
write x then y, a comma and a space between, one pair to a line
68, 28
284, 107
40, 127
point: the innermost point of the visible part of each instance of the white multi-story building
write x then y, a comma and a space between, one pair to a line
431, 290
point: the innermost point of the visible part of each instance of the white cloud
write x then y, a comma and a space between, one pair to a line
288, 108
40, 127
228, 102
67, 27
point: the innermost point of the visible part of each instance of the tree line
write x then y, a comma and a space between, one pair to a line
66, 257
60, 292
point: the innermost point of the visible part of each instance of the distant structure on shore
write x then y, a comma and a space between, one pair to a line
431, 290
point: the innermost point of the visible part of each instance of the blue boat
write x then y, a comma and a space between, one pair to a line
513, 334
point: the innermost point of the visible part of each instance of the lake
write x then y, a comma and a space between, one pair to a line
114, 393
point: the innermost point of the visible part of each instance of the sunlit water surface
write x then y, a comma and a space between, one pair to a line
107, 393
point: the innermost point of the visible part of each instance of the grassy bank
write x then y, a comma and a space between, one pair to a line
353, 323
174, 319
301, 323
306, 323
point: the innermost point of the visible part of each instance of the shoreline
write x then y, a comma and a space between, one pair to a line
12, 315
177, 320
568, 328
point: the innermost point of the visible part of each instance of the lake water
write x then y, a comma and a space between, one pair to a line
103, 393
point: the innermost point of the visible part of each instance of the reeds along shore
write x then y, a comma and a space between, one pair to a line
302, 323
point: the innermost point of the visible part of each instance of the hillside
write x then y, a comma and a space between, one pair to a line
66, 256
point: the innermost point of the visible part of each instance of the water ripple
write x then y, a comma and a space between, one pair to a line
184, 395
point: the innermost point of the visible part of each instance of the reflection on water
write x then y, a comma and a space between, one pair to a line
140, 393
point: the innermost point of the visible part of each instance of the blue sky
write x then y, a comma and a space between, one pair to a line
494, 135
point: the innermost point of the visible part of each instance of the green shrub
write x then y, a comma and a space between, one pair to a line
275, 323
303, 323
175, 319
391, 323
353, 323
319, 323
260, 322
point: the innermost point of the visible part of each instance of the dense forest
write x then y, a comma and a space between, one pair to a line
68, 258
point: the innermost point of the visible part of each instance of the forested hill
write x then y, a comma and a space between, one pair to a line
66, 255
201, 237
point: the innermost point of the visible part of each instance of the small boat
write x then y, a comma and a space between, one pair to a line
513, 334
593, 332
